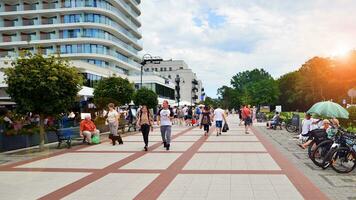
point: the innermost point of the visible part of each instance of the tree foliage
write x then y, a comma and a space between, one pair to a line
255, 87
44, 86
145, 96
115, 90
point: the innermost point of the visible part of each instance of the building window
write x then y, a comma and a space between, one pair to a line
180, 67
170, 69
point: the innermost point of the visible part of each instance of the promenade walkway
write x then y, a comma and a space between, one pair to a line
231, 166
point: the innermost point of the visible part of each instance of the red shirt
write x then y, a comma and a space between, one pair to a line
87, 125
246, 112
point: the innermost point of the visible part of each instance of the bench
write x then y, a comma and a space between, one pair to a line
67, 135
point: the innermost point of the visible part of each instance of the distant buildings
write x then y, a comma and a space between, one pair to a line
191, 89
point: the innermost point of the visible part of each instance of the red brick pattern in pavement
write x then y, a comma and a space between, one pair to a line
166, 176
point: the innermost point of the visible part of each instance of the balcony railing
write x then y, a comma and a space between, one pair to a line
29, 22
30, 7
10, 8
50, 5
10, 23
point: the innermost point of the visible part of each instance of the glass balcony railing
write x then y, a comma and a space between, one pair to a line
50, 5
128, 8
7, 54
11, 23
10, 8
110, 52
30, 6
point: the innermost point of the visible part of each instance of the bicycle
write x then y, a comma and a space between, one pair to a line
321, 154
343, 159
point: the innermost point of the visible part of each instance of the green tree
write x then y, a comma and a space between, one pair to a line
210, 102
115, 90
145, 96
256, 87
228, 97
289, 97
44, 86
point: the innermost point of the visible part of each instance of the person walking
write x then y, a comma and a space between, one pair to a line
246, 115
219, 117
113, 121
145, 121
206, 120
164, 120
239, 111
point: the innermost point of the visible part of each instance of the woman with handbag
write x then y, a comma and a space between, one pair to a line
113, 122
145, 122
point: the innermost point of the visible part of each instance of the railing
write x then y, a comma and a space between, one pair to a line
30, 7
29, 22
10, 23
7, 53
10, 8
50, 5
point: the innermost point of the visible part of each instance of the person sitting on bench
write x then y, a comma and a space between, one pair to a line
88, 129
275, 121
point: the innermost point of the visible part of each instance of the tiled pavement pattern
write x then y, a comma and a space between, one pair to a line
231, 166
334, 185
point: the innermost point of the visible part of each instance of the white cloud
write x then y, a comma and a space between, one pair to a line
276, 35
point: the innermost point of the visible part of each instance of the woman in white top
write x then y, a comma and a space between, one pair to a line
113, 121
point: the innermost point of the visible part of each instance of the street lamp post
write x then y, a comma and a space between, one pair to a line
177, 80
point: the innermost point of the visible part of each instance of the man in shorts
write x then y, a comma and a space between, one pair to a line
219, 117
246, 113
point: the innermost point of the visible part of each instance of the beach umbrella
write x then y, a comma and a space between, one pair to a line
329, 109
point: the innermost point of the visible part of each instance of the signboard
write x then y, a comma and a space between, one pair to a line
265, 109
279, 109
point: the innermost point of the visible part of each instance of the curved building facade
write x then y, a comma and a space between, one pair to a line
105, 33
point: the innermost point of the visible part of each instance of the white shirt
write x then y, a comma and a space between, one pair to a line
165, 117
185, 110
306, 126
218, 114
317, 125
112, 116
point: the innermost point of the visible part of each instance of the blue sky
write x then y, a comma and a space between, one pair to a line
219, 38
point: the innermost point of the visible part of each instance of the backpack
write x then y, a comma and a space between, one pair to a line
205, 119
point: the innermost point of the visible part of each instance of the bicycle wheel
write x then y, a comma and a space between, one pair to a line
312, 146
343, 160
320, 153
291, 128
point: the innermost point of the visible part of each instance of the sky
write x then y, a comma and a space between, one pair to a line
219, 38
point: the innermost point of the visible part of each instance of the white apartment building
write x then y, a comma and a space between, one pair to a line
191, 89
100, 37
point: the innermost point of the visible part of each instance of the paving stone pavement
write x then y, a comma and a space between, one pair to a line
232, 166
334, 185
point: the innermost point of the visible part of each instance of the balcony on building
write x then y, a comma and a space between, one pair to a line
46, 50
9, 37
7, 53
11, 7
29, 21
30, 6
28, 36
47, 35
195, 82
50, 4
10, 22
27, 49
49, 20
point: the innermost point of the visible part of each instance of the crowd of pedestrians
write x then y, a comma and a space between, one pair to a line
202, 116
